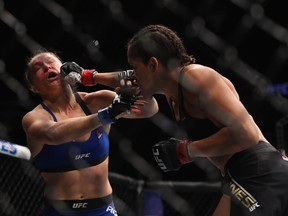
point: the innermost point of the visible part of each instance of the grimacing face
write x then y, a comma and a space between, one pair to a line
45, 70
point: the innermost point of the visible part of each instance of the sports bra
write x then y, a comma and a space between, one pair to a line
194, 128
73, 155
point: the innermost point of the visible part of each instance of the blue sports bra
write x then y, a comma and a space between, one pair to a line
73, 155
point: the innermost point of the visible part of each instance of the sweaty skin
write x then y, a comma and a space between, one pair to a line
207, 94
72, 125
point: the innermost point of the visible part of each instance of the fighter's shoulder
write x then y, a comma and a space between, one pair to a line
199, 75
35, 114
38, 110
198, 69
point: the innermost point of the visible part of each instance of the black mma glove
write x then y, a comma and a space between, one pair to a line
108, 114
171, 154
129, 90
73, 73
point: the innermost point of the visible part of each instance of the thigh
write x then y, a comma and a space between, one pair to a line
223, 207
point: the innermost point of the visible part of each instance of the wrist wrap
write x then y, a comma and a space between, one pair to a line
104, 116
183, 153
87, 77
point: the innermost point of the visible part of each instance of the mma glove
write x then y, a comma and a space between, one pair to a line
171, 154
129, 90
73, 73
119, 105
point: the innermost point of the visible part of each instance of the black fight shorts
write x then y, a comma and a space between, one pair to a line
256, 179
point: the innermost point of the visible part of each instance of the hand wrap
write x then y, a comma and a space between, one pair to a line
70, 70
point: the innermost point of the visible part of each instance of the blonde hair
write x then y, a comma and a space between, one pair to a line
30, 65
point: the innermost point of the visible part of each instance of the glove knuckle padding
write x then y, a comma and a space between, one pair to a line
129, 94
126, 75
165, 155
118, 106
128, 90
69, 67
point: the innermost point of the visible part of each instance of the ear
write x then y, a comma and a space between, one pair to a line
33, 90
153, 63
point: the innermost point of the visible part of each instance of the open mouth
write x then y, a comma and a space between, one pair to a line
52, 74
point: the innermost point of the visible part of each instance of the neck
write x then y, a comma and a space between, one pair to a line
170, 88
60, 101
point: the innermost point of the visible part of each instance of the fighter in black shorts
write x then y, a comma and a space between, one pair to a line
217, 126
256, 180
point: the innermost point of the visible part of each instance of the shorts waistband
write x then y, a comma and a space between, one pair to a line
75, 205
260, 147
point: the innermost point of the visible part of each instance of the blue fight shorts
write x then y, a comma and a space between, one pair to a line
103, 206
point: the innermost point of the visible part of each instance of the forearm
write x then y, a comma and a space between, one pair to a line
106, 78
224, 142
149, 108
71, 129
73, 73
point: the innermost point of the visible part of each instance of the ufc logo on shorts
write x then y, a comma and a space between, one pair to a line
254, 206
81, 156
158, 160
79, 205
111, 210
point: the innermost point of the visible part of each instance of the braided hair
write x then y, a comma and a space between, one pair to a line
160, 42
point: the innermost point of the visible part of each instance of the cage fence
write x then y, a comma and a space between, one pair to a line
227, 28
21, 193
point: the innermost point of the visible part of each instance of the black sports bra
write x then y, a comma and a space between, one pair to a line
195, 128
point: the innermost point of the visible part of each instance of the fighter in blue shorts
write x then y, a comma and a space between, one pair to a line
67, 134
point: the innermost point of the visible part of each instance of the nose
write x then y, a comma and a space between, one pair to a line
47, 67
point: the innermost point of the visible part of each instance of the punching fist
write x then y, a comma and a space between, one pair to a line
108, 115
73, 73
128, 90
171, 154
126, 78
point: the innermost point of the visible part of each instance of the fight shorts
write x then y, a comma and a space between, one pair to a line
103, 206
256, 179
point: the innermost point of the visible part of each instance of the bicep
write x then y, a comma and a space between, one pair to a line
36, 128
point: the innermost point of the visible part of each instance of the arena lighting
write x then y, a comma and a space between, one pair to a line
282, 88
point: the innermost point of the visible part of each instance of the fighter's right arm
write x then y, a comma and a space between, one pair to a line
74, 73
40, 129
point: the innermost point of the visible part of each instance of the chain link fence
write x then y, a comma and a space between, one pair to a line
21, 193
245, 41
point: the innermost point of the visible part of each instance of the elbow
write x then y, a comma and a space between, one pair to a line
245, 136
53, 137
154, 109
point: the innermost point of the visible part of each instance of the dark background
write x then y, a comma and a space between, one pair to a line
245, 40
